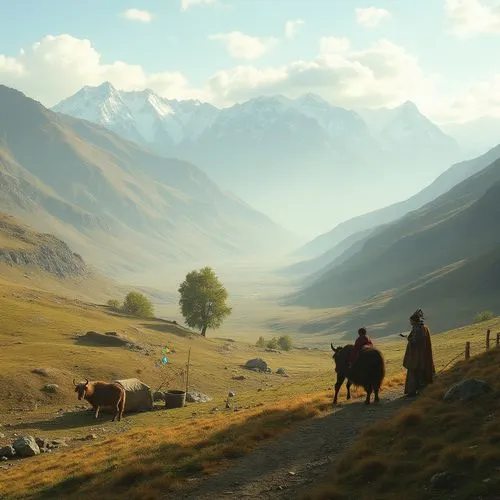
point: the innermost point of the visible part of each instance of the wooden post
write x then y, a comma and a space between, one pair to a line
467, 350
487, 339
498, 339
187, 369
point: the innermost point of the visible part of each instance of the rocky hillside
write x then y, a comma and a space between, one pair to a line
22, 247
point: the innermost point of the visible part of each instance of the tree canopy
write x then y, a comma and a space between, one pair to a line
137, 304
203, 300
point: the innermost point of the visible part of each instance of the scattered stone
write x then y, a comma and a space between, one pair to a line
257, 364
2, 435
158, 396
291, 473
467, 390
239, 377
51, 388
90, 437
41, 371
197, 397
231, 394
275, 351
442, 481
26, 446
7, 451
282, 372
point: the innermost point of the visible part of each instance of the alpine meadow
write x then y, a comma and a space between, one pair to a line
250, 249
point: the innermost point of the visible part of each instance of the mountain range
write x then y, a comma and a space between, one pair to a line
443, 257
281, 154
120, 205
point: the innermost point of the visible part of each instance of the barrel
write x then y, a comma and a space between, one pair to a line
175, 399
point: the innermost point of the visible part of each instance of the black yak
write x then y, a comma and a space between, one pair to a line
102, 394
368, 371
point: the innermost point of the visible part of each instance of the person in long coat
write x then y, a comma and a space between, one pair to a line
418, 359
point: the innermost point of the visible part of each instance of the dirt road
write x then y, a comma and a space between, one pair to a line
286, 468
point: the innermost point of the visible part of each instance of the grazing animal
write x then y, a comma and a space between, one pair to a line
368, 371
102, 394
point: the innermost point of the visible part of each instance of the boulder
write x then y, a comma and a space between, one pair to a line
51, 388
197, 397
7, 451
26, 446
467, 390
257, 364
282, 372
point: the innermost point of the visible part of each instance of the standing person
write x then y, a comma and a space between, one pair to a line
418, 358
362, 341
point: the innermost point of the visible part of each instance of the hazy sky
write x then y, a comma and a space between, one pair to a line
442, 54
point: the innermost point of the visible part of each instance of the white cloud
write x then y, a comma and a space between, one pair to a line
58, 66
185, 4
370, 17
241, 46
292, 27
332, 44
384, 74
138, 15
469, 17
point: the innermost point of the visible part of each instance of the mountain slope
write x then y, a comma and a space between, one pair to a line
277, 153
451, 177
117, 203
422, 254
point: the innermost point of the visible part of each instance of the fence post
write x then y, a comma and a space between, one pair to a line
467, 350
487, 339
498, 339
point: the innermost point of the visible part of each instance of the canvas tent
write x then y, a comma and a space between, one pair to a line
138, 395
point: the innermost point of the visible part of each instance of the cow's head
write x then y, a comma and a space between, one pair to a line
341, 358
81, 388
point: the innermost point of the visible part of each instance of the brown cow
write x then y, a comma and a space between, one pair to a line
102, 394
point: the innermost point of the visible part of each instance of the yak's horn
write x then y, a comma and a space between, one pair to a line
333, 348
74, 383
86, 381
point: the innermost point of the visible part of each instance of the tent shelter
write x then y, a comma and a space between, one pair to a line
138, 395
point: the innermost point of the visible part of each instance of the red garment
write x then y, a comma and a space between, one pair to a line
361, 342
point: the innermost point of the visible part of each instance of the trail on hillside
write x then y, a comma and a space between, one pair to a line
288, 466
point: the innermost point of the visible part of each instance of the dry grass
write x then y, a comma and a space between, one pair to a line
396, 459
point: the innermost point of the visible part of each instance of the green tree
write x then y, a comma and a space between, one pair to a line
114, 304
483, 316
285, 342
273, 343
261, 342
137, 304
203, 300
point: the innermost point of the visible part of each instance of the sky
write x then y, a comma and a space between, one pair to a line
441, 54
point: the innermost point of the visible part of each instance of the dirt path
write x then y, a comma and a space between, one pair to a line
286, 467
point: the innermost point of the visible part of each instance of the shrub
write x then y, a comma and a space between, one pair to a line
137, 304
483, 316
114, 304
285, 342
261, 342
273, 343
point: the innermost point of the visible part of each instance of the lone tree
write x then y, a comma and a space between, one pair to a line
203, 300
137, 304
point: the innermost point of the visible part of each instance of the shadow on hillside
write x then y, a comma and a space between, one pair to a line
68, 420
167, 327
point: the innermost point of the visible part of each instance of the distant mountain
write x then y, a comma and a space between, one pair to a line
443, 257
475, 136
277, 153
120, 205
358, 225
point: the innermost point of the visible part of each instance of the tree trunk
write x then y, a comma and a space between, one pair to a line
204, 331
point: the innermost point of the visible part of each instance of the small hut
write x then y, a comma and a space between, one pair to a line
138, 395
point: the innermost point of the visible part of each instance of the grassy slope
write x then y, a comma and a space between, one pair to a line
170, 445
396, 459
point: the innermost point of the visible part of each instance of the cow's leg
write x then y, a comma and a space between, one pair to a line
348, 386
96, 412
368, 394
338, 385
376, 389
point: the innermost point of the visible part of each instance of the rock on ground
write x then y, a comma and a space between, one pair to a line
467, 390
197, 397
282, 372
26, 446
51, 388
257, 364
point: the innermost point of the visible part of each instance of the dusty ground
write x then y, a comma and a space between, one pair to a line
288, 466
